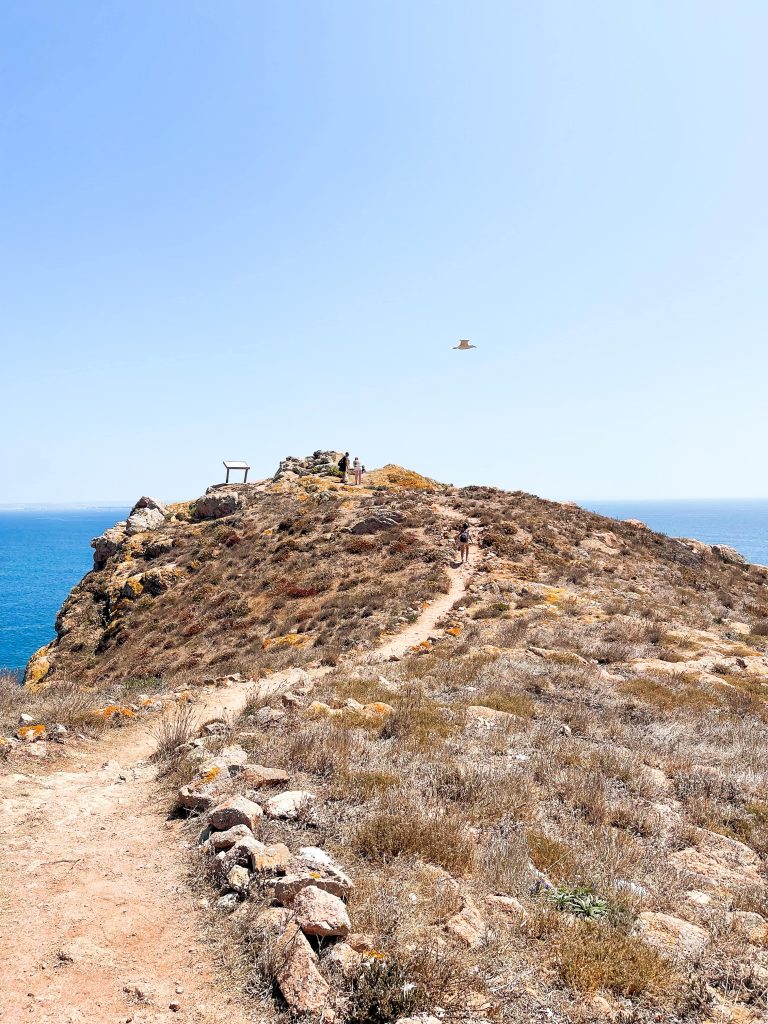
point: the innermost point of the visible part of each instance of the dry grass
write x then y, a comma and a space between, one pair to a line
174, 729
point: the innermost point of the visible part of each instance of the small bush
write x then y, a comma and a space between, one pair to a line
403, 828
173, 731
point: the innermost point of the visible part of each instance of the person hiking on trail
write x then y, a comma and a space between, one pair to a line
462, 543
357, 471
344, 466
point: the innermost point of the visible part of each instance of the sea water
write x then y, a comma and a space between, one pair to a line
45, 552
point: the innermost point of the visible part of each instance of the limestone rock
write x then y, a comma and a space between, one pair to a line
199, 795
289, 804
237, 811
320, 463
287, 888
218, 502
319, 912
244, 852
145, 517
256, 775
301, 984
752, 926
670, 933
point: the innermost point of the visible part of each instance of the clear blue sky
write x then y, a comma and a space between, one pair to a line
248, 228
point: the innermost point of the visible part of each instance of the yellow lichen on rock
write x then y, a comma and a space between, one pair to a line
289, 640
30, 733
38, 667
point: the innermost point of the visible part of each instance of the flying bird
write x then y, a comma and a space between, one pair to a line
463, 346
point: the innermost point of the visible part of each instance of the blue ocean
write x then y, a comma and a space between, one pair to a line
45, 552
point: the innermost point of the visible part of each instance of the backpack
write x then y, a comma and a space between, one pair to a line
464, 537
342, 463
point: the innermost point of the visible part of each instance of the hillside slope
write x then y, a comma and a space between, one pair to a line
542, 777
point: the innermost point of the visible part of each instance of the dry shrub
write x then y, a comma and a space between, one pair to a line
501, 864
420, 721
674, 694
361, 785
401, 827
551, 856
591, 957
512, 703
485, 795
172, 731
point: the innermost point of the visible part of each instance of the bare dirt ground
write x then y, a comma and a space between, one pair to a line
97, 923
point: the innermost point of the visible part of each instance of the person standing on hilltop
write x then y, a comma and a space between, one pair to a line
357, 471
462, 543
344, 466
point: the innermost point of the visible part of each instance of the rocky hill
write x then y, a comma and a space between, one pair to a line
531, 788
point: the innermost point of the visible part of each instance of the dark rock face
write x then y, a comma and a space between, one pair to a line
377, 522
108, 544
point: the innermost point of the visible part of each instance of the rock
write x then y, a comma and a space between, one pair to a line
488, 716
218, 841
751, 926
38, 667
228, 902
467, 926
720, 861
200, 796
292, 701
507, 905
158, 546
256, 775
26, 719
289, 804
287, 888
31, 733
377, 522
319, 912
149, 503
233, 757
671, 934
343, 959
156, 581
108, 544
728, 555
217, 502
318, 464
237, 811
238, 879
269, 716
243, 852
143, 519
272, 859
700, 899
361, 942
300, 982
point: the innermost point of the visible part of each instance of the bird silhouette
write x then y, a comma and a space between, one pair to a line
463, 346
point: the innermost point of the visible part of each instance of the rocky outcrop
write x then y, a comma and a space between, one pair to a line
319, 463
108, 544
146, 514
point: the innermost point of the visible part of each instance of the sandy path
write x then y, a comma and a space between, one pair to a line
93, 899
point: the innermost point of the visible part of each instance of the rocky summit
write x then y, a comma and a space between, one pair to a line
529, 787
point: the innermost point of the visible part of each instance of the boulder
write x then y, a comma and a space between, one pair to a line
143, 519
200, 796
377, 522
256, 775
753, 927
237, 811
289, 804
301, 984
158, 546
149, 503
507, 905
108, 544
319, 912
319, 463
217, 503
671, 934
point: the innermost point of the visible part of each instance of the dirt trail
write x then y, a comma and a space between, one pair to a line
97, 923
